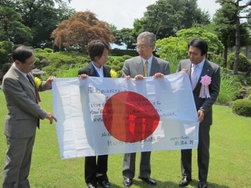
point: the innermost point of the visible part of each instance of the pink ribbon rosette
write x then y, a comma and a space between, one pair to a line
204, 90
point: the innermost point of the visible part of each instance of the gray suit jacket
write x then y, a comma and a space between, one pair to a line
213, 70
134, 66
23, 111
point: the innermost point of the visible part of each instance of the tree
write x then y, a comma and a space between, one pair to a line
176, 47
11, 26
166, 17
225, 28
81, 28
42, 17
125, 37
237, 13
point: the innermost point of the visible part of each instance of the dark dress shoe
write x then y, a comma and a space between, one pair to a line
148, 180
90, 185
202, 185
185, 181
127, 182
104, 184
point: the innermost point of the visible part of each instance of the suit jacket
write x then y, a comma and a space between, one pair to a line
134, 66
90, 71
205, 104
23, 111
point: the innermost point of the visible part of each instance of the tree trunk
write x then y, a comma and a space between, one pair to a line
225, 57
237, 46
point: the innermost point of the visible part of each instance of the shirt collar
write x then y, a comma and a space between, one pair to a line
15, 67
201, 64
149, 60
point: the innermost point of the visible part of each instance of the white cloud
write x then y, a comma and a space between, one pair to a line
117, 12
123, 13
208, 5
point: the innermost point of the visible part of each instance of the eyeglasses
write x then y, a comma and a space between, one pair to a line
142, 47
30, 64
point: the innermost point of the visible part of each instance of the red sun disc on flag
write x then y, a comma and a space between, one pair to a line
130, 117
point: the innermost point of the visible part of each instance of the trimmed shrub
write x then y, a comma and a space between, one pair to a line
49, 50
243, 62
242, 107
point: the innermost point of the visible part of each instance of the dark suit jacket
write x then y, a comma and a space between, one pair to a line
205, 104
134, 67
90, 71
23, 111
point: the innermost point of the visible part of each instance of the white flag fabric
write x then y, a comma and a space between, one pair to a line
98, 116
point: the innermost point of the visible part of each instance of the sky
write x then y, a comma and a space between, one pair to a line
122, 13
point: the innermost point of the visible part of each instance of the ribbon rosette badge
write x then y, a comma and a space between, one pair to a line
37, 82
113, 73
204, 90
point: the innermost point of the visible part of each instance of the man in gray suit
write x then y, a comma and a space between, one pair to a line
139, 67
197, 67
23, 117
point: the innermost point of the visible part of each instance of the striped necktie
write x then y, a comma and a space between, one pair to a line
146, 68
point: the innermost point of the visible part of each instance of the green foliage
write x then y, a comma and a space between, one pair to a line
225, 20
6, 67
49, 50
242, 107
229, 88
249, 97
176, 47
6, 45
12, 29
57, 63
166, 17
3, 56
243, 64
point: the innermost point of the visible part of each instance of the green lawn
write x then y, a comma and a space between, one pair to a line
230, 164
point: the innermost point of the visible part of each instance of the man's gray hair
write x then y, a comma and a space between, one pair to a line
150, 37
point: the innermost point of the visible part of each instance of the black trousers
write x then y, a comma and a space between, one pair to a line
202, 156
96, 169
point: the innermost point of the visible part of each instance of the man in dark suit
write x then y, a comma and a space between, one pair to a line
23, 117
197, 67
139, 67
96, 171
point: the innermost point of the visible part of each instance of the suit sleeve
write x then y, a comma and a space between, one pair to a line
167, 68
14, 91
126, 69
214, 89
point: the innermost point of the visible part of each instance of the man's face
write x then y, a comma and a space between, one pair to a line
26, 66
143, 48
195, 55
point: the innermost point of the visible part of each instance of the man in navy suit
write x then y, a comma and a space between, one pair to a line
197, 66
139, 67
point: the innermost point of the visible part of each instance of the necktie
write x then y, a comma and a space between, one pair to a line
194, 76
146, 68
34, 85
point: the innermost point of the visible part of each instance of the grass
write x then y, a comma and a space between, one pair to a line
229, 164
